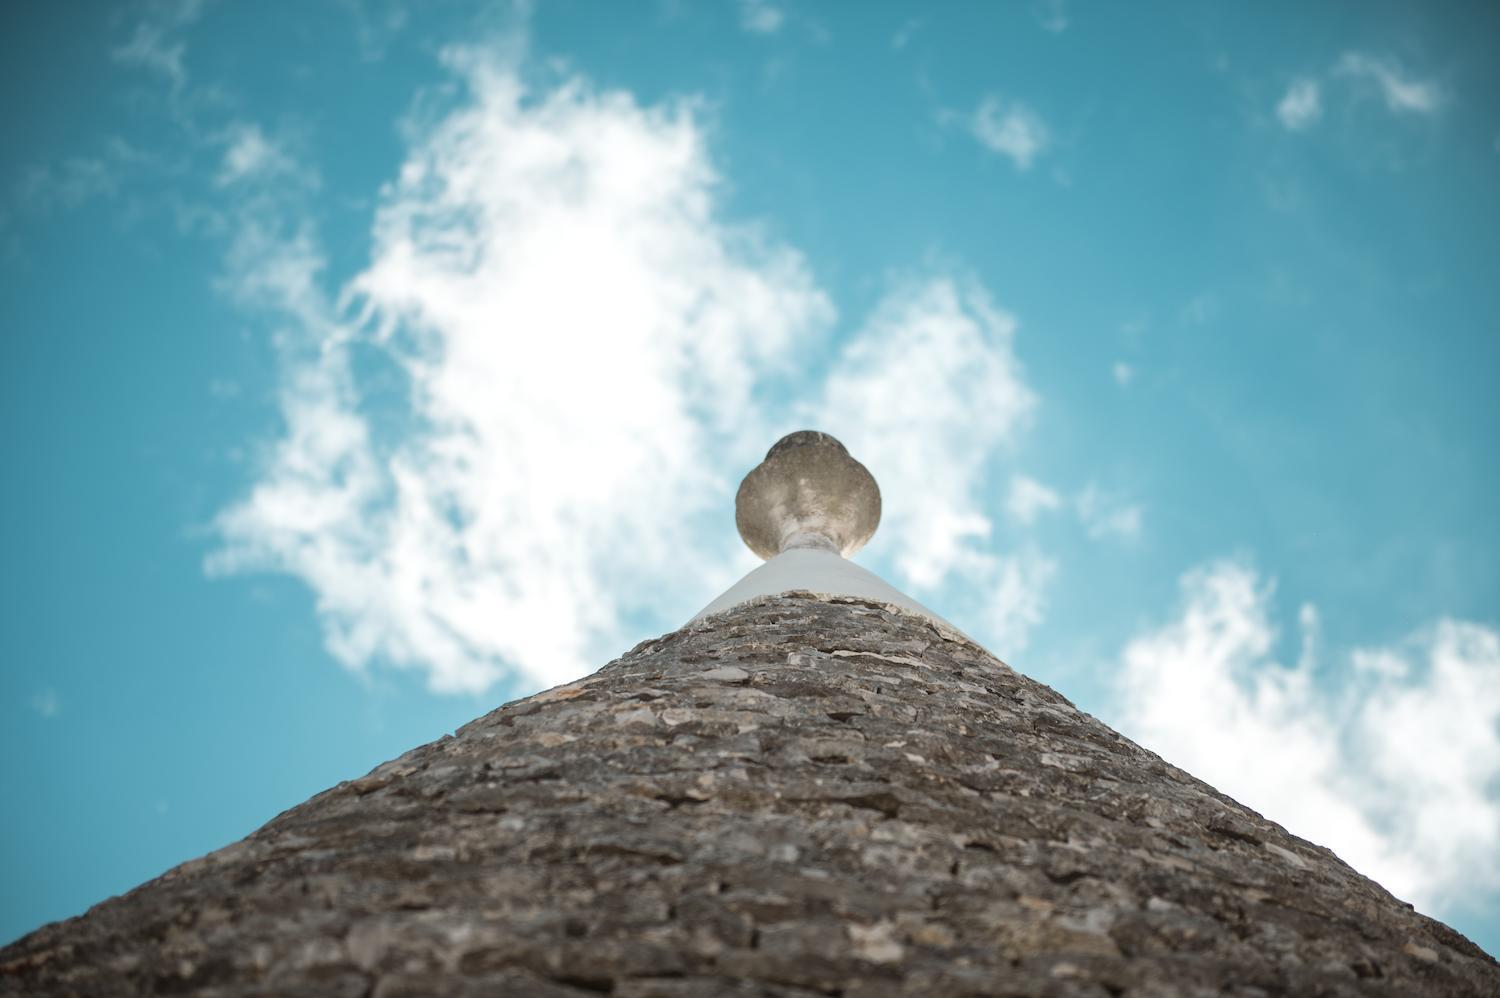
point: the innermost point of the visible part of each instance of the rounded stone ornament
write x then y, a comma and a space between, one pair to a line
807, 493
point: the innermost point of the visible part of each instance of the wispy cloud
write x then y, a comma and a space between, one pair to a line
1029, 497
581, 336
44, 189
1104, 515
250, 155
46, 703
1402, 94
1051, 15
376, 24
906, 33
154, 44
761, 17
148, 50
928, 394
1199, 309
1009, 128
1397, 772
1018, 599
1301, 106
1123, 373
67, 184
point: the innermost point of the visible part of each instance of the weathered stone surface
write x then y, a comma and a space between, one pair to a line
798, 797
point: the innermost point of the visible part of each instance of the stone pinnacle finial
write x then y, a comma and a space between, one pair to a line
807, 493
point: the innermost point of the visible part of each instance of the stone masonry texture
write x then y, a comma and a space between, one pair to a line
799, 797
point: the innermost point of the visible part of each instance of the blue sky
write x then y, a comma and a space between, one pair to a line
368, 365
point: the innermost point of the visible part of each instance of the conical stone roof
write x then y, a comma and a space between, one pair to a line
800, 793
800, 796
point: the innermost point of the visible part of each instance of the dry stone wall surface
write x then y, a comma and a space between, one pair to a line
798, 797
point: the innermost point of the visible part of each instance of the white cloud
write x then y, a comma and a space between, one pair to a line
581, 338
1018, 599
1010, 128
927, 395
761, 17
1401, 93
583, 347
1396, 772
1123, 373
250, 155
1301, 106
1104, 515
1028, 497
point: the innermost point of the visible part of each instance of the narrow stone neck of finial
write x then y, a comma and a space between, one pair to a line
809, 540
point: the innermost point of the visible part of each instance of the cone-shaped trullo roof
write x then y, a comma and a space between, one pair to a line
801, 794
